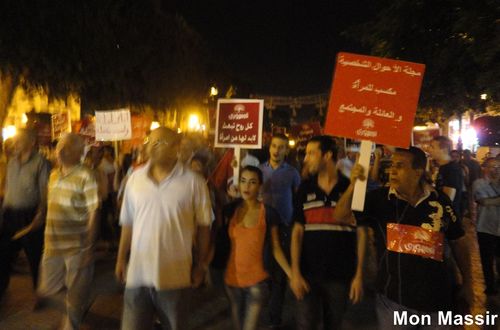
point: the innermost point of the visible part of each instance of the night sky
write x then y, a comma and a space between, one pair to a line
277, 47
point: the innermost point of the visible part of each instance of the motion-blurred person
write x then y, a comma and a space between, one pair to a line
165, 219
450, 178
71, 232
24, 207
486, 193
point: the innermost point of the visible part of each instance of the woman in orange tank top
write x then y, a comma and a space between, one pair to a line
252, 231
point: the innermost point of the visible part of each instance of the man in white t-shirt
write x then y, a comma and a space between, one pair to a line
165, 214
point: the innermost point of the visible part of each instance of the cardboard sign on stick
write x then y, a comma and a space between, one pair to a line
239, 123
373, 99
113, 125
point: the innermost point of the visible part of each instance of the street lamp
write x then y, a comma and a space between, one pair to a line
484, 96
154, 125
213, 91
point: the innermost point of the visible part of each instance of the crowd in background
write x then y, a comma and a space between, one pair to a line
176, 219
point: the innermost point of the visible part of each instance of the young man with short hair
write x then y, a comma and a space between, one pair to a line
281, 181
323, 248
450, 178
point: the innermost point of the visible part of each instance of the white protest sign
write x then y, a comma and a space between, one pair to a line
113, 125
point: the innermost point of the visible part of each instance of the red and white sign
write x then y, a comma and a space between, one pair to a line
423, 138
415, 240
239, 123
304, 132
61, 123
374, 99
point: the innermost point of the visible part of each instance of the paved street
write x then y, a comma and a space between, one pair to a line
209, 309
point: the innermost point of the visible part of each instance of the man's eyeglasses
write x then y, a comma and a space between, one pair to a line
157, 143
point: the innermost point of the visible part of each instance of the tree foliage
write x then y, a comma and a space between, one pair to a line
110, 52
457, 40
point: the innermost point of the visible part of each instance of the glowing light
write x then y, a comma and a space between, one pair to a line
194, 123
24, 118
484, 96
291, 143
420, 128
154, 125
179, 130
214, 91
469, 137
8, 132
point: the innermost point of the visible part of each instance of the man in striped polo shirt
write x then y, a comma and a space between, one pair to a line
70, 231
323, 248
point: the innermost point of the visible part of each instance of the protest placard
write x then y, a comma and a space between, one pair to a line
113, 125
374, 100
61, 123
303, 132
239, 123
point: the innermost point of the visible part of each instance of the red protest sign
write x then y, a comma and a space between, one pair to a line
374, 99
61, 123
303, 132
239, 123
423, 138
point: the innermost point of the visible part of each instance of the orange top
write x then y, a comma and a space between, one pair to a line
246, 265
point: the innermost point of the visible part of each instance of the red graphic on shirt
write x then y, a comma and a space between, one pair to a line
415, 240
321, 215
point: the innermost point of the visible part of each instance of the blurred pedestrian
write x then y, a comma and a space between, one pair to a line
24, 207
281, 182
71, 232
165, 219
486, 193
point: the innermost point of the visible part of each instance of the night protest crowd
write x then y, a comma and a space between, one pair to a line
178, 221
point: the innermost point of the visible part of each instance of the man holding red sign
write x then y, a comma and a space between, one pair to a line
412, 223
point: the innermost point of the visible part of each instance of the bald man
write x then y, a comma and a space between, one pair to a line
70, 232
166, 212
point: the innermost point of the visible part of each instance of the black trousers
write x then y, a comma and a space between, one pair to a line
489, 248
279, 284
13, 220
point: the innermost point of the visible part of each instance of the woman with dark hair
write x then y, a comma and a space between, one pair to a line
252, 228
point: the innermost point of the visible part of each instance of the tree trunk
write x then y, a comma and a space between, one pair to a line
8, 84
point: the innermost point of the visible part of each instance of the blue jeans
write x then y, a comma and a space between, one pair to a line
246, 304
325, 298
141, 304
386, 309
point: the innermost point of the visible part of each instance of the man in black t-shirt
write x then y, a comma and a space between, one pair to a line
450, 178
323, 248
412, 222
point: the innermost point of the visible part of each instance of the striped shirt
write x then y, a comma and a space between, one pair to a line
71, 198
